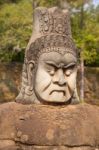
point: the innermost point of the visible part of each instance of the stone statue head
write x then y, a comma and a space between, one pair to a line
50, 65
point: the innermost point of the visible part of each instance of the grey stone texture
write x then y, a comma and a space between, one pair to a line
50, 64
55, 126
10, 78
72, 127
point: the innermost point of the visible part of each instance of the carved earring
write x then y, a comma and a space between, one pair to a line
29, 88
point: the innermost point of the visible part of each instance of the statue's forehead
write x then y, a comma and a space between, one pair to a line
57, 57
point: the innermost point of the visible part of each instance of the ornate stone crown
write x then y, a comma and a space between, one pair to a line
52, 31
52, 20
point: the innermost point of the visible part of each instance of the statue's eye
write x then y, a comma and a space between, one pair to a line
51, 70
69, 70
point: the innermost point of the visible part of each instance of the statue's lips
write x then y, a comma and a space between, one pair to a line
58, 91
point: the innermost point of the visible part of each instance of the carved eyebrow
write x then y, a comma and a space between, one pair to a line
51, 63
57, 66
70, 65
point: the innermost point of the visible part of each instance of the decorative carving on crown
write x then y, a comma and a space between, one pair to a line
54, 21
51, 43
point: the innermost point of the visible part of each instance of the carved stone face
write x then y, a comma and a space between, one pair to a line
50, 65
55, 77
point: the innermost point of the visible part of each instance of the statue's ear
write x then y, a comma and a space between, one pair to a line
31, 66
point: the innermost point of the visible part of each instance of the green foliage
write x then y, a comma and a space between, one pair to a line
15, 28
8, 1
87, 38
50, 3
46, 3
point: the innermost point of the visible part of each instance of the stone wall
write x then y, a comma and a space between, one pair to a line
43, 127
92, 85
10, 79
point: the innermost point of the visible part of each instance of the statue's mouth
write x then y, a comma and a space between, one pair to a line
58, 91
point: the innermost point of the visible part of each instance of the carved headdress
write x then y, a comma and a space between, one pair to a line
52, 32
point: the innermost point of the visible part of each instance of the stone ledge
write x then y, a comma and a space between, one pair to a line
48, 148
73, 127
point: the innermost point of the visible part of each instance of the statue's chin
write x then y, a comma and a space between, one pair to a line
56, 97
56, 101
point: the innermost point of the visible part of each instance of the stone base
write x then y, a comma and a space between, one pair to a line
43, 127
49, 148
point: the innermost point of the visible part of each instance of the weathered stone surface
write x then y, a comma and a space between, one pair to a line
49, 148
56, 148
10, 78
92, 85
34, 127
50, 63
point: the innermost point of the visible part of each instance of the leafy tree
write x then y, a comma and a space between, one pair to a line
87, 37
15, 29
8, 1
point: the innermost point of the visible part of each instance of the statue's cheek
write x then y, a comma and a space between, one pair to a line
43, 80
71, 81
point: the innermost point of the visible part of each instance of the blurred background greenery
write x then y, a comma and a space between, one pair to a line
16, 24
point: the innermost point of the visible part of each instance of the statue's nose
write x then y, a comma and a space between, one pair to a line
59, 77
